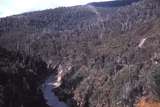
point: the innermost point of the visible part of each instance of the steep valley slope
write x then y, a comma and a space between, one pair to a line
20, 78
110, 56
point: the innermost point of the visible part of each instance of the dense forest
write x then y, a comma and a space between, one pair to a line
113, 51
20, 76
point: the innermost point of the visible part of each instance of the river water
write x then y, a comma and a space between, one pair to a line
51, 99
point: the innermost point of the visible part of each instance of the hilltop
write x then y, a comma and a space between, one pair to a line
116, 3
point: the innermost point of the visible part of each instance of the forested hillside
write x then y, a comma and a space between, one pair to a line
20, 77
110, 55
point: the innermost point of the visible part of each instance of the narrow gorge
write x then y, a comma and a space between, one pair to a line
102, 54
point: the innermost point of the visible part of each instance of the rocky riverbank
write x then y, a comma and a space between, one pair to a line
47, 89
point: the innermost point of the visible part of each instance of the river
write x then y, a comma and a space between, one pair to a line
51, 99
